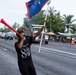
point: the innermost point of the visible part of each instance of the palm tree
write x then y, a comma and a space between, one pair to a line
50, 12
67, 19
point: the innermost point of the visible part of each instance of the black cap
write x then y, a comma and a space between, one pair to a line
20, 30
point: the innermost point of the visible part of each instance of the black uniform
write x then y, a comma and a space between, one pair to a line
25, 63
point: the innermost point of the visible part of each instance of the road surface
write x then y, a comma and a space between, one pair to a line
53, 59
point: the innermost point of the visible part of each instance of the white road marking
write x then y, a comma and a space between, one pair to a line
5, 49
58, 51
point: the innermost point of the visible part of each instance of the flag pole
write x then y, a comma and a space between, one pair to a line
42, 34
43, 29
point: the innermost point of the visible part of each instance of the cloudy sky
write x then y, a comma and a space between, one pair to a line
14, 10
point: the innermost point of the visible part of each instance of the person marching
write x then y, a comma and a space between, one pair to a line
23, 49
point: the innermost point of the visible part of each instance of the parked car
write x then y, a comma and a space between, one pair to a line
8, 37
0, 34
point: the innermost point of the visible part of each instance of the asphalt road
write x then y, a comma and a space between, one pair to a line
53, 59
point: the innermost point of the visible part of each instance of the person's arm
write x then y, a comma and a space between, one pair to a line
20, 45
38, 33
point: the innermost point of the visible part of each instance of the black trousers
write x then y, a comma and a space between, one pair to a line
29, 71
27, 68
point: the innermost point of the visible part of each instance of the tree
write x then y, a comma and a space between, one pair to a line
73, 28
67, 19
51, 13
1, 30
15, 25
57, 23
37, 19
54, 20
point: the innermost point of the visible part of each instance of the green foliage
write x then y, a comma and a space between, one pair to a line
4, 29
15, 25
73, 29
54, 22
38, 19
68, 20
57, 23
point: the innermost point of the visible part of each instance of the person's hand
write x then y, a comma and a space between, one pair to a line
22, 37
44, 27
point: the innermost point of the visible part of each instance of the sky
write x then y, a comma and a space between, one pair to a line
14, 10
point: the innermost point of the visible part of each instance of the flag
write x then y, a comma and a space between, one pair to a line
49, 2
34, 6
